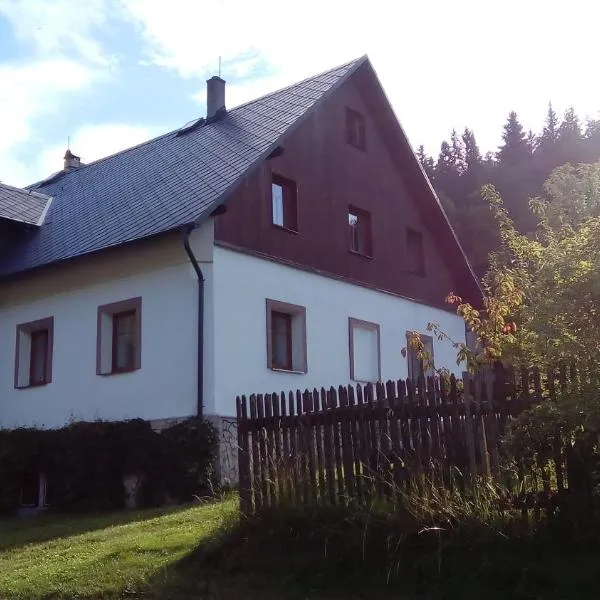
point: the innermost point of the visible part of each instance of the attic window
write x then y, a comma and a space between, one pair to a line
284, 199
355, 129
359, 230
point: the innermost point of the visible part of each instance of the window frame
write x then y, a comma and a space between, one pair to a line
111, 310
355, 123
293, 310
410, 349
352, 323
30, 328
365, 216
291, 187
287, 317
420, 269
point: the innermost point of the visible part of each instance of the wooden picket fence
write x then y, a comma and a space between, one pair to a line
349, 443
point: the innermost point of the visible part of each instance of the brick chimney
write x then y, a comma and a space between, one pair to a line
215, 97
71, 161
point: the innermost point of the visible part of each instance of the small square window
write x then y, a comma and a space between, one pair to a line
359, 229
355, 129
365, 353
33, 355
286, 337
420, 364
415, 254
284, 200
119, 337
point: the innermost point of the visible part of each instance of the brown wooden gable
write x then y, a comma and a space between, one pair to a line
331, 175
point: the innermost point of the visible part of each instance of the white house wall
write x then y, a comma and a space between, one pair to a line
164, 387
242, 284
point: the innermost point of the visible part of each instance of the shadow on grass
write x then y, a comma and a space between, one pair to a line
333, 556
19, 531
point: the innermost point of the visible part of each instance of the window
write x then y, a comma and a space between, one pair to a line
420, 366
355, 129
284, 201
123, 350
119, 337
35, 491
33, 355
415, 254
286, 337
365, 353
359, 228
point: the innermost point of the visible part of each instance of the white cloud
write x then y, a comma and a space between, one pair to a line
91, 142
59, 26
443, 64
64, 59
27, 93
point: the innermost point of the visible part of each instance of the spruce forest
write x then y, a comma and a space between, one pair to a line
518, 170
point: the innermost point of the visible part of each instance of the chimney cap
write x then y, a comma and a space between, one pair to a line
69, 154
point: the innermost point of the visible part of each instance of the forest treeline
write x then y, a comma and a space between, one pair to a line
518, 170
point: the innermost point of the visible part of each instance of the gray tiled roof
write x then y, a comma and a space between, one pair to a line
166, 183
23, 206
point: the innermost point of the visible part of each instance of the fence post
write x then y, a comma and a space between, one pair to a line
243, 456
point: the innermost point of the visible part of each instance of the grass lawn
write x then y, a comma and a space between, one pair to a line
105, 556
206, 551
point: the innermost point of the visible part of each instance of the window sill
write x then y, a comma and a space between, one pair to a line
279, 370
362, 254
32, 385
120, 372
293, 231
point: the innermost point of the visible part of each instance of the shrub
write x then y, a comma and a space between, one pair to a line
85, 463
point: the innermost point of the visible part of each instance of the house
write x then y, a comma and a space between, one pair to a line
290, 242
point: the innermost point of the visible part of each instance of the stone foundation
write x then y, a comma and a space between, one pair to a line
226, 467
226, 464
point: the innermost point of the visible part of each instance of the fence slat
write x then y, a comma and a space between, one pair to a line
285, 438
328, 448
337, 444
319, 425
347, 455
295, 491
468, 391
243, 456
256, 461
356, 442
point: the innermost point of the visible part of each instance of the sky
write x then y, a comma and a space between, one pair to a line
108, 74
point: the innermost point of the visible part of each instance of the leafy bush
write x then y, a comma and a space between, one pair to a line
85, 463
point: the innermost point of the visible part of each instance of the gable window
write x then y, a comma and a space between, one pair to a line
119, 337
415, 254
33, 355
284, 200
359, 229
286, 337
420, 364
365, 353
355, 129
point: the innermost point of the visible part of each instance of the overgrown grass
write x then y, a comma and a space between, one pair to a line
430, 544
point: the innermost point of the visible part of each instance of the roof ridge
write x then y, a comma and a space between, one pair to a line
42, 182
360, 59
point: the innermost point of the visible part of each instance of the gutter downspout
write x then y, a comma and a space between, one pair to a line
200, 392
